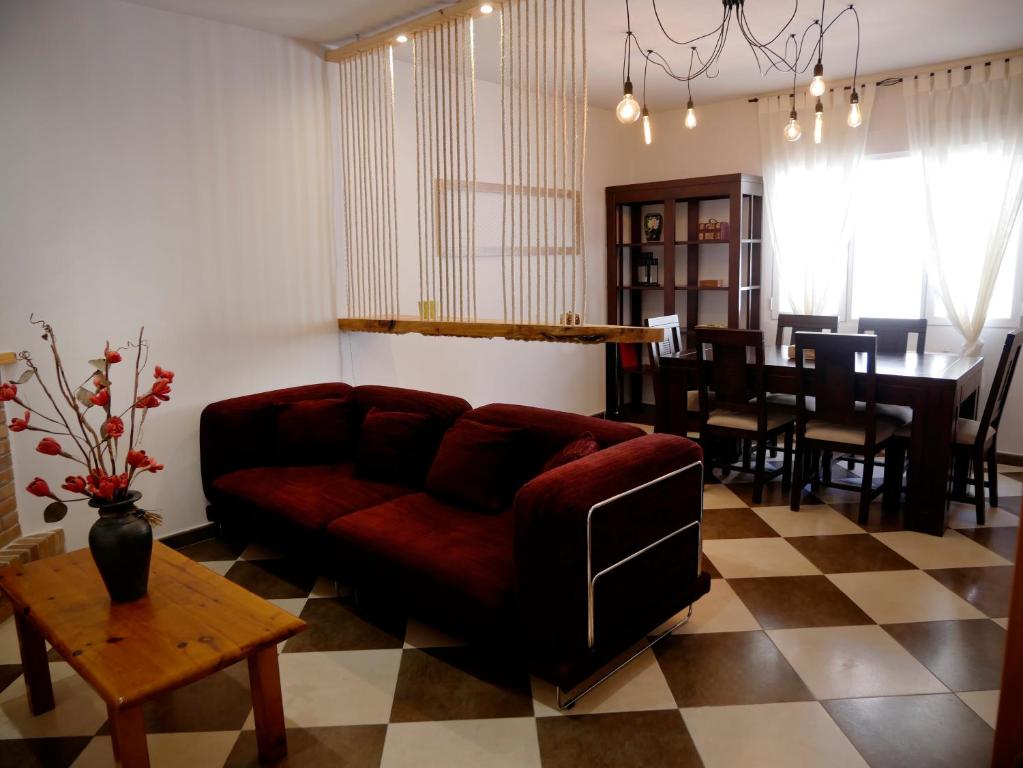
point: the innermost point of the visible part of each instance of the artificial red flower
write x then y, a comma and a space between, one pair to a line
112, 355
38, 487
105, 488
49, 446
137, 459
101, 398
149, 401
9, 391
19, 425
154, 467
163, 373
122, 480
114, 427
74, 483
161, 389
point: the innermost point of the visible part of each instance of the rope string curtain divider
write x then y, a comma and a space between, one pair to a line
368, 166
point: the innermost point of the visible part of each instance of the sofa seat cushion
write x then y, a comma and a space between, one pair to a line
456, 550
309, 496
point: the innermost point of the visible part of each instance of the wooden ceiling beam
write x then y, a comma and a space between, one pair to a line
453, 11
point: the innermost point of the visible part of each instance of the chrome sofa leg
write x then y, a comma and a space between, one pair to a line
565, 704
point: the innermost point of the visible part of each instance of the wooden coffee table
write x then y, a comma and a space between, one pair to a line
192, 623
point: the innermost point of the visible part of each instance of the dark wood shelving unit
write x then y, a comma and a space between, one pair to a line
683, 204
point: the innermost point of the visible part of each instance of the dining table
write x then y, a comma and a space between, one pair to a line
939, 387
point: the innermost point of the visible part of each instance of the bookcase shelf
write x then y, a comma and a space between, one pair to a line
683, 204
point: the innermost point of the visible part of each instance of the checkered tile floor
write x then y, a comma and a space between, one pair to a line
821, 643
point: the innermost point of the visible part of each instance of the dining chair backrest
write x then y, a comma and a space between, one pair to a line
1000, 384
671, 343
893, 333
727, 370
804, 323
837, 387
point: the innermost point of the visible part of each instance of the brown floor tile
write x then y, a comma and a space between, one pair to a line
878, 520
708, 566
965, 655
8, 674
1001, 541
459, 684
349, 746
787, 602
987, 589
337, 624
213, 549
727, 668
741, 523
849, 553
1011, 503
41, 753
219, 702
930, 731
274, 579
620, 740
773, 496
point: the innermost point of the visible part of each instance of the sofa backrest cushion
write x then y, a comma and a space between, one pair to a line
320, 431
549, 431
397, 447
478, 466
241, 432
446, 408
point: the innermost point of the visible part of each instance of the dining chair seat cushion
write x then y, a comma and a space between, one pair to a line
850, 434
901, 414
905, 431
722, 417
967, 430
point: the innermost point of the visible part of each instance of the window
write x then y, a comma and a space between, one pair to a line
887, 274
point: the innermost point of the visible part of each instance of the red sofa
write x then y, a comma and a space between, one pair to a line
583, 562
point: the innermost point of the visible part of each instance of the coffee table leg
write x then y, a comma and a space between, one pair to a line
34, 665
128, 733
267, 706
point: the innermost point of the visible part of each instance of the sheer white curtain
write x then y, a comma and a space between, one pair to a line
809, 191
967, 125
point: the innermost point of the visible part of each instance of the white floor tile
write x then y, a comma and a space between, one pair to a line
207, 749
953, 550
79, 711
502, 743
716, 496
984, 703
894, 597
810, 520
720, 610
741, 558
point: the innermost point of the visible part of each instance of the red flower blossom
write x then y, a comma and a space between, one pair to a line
74, 483
101, 398
122, 481
137, 459
163, 373
49, 446
161, 389
154, 467
19, 425
114, 427
9, 391
105, 488
148, 401
112, 355
38, 487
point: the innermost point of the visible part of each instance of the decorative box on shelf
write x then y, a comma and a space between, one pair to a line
712, 229
714, 283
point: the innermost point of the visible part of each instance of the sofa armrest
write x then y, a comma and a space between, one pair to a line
239, 433
606, 549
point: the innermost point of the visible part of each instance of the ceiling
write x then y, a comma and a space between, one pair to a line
895, 34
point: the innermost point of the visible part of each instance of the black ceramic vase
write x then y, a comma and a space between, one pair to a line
121, 542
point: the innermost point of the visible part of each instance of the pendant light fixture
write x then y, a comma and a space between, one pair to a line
690, 120
818, 122
792, 130
793, 57
647, 134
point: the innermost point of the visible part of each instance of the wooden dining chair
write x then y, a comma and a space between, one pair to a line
671, 344
845, 417
739, 409
975, 440
893, 333
797, 323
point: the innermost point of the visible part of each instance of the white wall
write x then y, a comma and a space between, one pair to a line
164, 170
564, 376
727, 140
